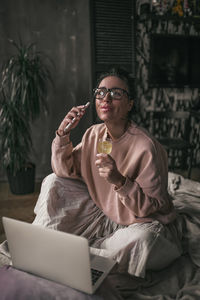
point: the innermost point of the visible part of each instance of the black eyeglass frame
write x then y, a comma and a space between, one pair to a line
109, 91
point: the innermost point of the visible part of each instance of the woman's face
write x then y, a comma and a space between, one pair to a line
113, 110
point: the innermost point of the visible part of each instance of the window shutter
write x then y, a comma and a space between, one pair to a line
113, 35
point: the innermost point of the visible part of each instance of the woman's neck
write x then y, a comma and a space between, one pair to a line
116, 130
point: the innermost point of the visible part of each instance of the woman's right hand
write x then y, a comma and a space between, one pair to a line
76, 112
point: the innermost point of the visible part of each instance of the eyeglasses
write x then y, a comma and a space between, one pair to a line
115, 93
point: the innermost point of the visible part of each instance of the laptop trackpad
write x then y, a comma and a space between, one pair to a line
101, 263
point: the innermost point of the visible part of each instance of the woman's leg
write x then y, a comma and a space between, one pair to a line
65, 204
139, 247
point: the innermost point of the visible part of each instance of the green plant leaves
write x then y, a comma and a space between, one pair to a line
23, 93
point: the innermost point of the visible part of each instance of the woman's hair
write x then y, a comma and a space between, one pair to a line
125, 76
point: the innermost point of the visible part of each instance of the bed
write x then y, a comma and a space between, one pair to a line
180, 280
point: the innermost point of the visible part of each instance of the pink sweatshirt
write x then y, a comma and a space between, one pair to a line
138, 156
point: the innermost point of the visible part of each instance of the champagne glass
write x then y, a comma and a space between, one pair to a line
104, 145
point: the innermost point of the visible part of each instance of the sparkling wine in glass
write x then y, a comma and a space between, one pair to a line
104, 145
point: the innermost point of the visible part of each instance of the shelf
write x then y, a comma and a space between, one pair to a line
192, 19
176, 18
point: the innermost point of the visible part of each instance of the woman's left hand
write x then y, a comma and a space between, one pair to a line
107, 169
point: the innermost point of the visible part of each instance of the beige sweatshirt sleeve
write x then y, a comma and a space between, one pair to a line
65, 160
147, 194
142, 202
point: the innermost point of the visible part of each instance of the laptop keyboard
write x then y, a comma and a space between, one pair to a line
95, 275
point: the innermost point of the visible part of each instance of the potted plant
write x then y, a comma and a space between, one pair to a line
23, 94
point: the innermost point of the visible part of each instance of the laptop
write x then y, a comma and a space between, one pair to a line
61, 257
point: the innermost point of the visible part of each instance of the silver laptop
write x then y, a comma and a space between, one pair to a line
62, 257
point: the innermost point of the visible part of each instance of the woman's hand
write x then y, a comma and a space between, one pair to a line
108, 170
77, 113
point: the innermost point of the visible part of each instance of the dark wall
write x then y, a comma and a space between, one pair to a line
62, 30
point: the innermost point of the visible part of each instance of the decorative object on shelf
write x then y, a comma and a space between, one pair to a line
196, 7
23, 94
169, 9
187, 7
156, 7
143, 8
160, 7
177, 9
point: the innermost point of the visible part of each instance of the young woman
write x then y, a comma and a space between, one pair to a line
119, 201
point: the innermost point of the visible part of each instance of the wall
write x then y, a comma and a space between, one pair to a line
60, 29
162, 98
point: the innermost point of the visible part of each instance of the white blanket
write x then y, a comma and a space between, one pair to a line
181, 280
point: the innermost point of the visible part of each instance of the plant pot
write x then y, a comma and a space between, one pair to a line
23, 182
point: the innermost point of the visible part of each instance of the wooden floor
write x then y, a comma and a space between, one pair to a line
21, 207
16, 206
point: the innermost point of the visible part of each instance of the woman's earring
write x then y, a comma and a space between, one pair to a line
131, 104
